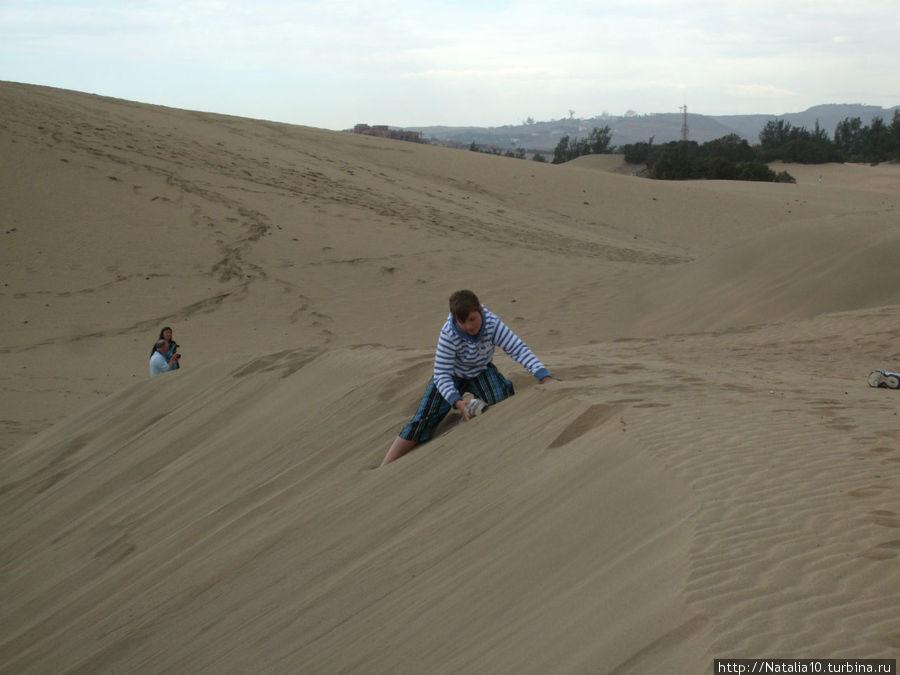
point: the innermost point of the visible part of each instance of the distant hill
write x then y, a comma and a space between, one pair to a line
662, 127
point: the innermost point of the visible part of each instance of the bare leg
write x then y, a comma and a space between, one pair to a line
399, 447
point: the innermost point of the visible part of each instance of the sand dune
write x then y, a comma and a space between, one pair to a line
293, 549
711, 477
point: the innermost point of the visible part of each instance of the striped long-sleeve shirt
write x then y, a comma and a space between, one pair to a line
462, 355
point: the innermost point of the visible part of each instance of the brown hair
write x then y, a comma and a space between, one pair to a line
463, 303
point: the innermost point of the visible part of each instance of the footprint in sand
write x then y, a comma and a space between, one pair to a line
628, 368
885, 518
288, 362
884, 551
591, 418
867, 491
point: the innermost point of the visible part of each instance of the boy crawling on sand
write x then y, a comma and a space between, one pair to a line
464, 363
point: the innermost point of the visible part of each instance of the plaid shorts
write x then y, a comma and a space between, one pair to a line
490, 386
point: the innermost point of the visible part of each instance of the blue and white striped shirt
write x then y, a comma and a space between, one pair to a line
462, 355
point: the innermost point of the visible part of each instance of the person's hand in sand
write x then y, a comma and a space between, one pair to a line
464, 363
461, 406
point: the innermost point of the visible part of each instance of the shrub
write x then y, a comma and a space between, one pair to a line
638, 153
597, 143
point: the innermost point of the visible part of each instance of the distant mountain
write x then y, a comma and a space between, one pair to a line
662, 127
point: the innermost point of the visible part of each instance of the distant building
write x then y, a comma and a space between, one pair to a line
383, 131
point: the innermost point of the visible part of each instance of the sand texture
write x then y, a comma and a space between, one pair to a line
710, 476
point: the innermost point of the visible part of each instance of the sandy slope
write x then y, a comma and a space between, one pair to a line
712, 476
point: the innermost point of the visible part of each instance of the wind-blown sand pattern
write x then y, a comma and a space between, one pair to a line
711, 477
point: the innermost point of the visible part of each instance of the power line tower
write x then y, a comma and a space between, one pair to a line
684, 126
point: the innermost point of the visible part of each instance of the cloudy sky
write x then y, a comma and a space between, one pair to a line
333, 63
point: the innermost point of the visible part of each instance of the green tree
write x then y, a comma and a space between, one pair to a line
895, 135
779, 140
819, 134
638, 153
804, 151
731, 147
561, 152
755, 171
719, 168
675, 162
599, 141
775, 134
877, 142
726, 158
848, 137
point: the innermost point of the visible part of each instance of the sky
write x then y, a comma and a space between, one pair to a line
334, 63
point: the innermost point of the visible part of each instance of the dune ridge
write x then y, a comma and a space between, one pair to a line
710, 477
